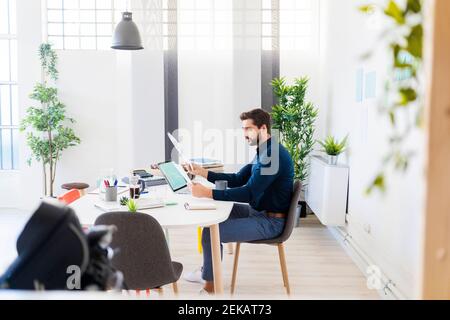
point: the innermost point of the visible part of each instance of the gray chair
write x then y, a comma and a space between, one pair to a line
279, 242
143, 255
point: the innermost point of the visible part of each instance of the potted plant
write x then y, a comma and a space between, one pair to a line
132, 206
294, 118
47, 133
333, 148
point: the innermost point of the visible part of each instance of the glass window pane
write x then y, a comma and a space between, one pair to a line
267, 4
267, 43
287, 43
4, 60
6, 149
267, 30
186, 29
88, 29
54, 16
14, 105
303, 4
4, 27
16, 149
13, 48
88, 43
104, 29
87, 16
54, 4
120, 5
5, 105
12, 17
204, 4
70, 4
186, 4
71, 29
104, 4
57, 42
223, 4
55, 29
87, 4
72, 43
104, 16
287, 16
71, 16
187, 16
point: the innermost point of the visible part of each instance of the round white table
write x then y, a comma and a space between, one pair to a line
171, 216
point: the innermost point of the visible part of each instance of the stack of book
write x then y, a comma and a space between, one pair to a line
208, 163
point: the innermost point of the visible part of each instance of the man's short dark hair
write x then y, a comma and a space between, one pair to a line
259, 117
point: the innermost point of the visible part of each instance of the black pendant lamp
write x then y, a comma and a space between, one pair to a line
126, 36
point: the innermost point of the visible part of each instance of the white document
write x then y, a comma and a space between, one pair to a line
200, 206
183, 173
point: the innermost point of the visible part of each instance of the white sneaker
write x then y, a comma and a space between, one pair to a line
194, 276
203, 292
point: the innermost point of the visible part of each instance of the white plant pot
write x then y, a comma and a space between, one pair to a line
333, 160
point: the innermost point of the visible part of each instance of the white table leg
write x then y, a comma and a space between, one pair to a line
216, 259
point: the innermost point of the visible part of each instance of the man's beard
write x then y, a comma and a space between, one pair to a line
253, 142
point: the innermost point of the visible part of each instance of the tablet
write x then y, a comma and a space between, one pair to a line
175, 175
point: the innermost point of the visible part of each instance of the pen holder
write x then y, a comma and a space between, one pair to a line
111, 194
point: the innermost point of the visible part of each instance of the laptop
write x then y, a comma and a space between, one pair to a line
176, 177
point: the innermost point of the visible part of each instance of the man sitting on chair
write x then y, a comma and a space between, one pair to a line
266, 184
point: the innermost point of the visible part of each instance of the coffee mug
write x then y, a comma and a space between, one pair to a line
221, 185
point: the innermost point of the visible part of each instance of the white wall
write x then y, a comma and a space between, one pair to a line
386, 227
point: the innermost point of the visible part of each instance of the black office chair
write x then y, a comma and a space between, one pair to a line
144, 257
279, 242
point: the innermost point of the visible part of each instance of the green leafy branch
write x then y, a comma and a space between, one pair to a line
332, 146
403, 89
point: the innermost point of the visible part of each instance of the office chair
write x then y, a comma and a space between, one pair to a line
144, 256
279, 242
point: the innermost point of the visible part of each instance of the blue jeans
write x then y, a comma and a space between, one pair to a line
244, 224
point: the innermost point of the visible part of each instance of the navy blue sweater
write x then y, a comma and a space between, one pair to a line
263, 186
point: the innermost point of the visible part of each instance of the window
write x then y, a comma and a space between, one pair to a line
9, 119
83, 24
292, 22
169, 23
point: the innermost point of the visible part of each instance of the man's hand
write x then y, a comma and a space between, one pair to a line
196, 170
200, 191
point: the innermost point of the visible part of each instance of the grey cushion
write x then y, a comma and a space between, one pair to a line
143, 255
290, 221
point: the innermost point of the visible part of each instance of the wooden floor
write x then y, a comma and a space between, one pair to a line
318, 267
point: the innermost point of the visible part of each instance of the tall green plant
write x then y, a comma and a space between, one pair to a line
295, 119
403, 88
45, 125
